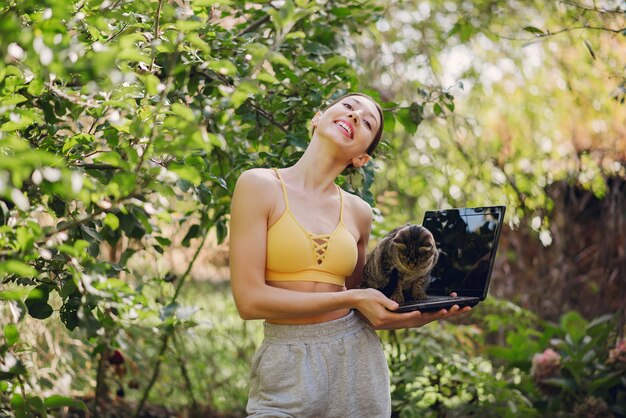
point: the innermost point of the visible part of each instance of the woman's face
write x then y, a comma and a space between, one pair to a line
351, 123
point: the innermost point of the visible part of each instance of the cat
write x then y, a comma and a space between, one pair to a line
401, 263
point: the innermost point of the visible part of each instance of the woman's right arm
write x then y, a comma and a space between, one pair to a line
251, 206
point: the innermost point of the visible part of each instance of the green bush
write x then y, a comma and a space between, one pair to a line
437, 371
508, 364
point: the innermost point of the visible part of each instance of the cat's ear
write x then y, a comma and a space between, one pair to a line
401, 236
400, 245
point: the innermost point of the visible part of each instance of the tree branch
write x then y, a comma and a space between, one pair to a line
267, 115
74, 99
95, 166
168, 333
548, 33
164, 93
254, 25
617, 10
157, 28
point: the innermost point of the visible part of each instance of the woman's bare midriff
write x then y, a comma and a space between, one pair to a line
310, 287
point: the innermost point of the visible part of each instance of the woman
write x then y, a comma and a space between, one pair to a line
297, 251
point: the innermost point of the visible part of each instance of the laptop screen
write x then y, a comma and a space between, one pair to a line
467, 240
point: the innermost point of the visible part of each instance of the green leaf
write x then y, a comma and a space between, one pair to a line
90, 234
112, 221
223, 67
17, 268
14, 294
69, 313
341, 11
222, 231
35, 87
204, 194
12, 100
534, 30
122, 184
112, 158
152, 84
36, 403
191, 234
606, 382
17, 401
416, 113
603, 321
56, 401
590, 49
186, 172
244, 90
574, 325
40, 310
337, 60
562, 383
257, 51
407, 121
183, 111
11, 334
267, 78
278, 58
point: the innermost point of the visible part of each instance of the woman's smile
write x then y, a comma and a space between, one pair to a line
345, 127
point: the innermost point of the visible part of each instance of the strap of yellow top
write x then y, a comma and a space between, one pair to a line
341, 207
282, 183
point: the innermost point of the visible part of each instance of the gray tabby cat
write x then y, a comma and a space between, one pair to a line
401, 263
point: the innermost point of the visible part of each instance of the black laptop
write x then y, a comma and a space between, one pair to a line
467, 240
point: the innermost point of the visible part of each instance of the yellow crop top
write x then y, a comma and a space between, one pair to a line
294, 254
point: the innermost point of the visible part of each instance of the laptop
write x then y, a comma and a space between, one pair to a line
467, 240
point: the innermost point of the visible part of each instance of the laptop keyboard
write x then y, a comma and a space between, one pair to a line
438, 298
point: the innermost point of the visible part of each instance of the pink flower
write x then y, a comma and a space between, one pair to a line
618, 354
545, 365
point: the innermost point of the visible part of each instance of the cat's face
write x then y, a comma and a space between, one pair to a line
415, 248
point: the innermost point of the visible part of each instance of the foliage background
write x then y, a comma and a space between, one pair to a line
124, 125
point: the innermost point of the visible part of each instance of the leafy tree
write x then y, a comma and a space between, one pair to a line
119, 117
515, 97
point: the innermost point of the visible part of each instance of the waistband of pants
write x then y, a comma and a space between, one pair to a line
310, 333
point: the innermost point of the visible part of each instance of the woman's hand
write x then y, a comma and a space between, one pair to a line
373, 305
375, 308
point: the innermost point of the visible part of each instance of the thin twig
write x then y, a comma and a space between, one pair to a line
180, 349
617, 10
168, 333
74, 99
548, 33
115, 34
254, 25
164, 93
157, 27
267, 115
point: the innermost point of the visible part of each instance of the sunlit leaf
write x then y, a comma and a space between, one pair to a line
11, 335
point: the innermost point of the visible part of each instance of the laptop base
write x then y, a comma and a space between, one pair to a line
429, 305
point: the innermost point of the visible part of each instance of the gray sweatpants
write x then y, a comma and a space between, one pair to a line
331, 369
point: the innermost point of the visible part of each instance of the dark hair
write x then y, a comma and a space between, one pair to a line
379, 133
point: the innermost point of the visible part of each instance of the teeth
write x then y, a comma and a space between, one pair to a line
344, 126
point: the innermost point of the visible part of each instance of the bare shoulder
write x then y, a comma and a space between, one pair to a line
258, 185
259, 180
360, 210
256, 177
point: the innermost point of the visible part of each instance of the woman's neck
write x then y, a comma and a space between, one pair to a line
316, 170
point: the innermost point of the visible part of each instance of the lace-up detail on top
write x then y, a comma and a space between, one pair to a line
295, 254
320, 245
